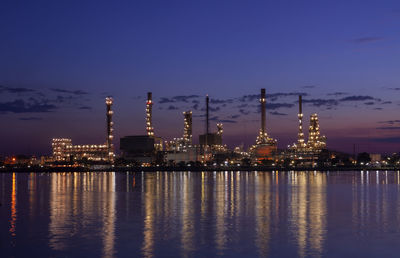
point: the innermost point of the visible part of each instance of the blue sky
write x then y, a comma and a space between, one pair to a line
59, 59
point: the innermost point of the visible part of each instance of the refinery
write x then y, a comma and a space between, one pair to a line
150, 151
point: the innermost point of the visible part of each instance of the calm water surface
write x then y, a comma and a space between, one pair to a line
232, 214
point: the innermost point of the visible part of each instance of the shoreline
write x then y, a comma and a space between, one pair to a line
191, 169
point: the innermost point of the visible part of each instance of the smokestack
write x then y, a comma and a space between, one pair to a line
263, 119
300, 140
187, 129
110, 146
149, 115
207, 118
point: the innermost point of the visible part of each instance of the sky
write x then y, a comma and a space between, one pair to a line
60, 59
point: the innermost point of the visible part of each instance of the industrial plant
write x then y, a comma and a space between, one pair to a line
65, 151
150, 150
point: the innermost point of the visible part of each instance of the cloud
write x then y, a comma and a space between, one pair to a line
369, 103
309, 86
394, 88
165, 100
274, 106
337, 94
387, 139
85, 108
195, 106
228, 121
389, 128
234, 116
30, 118
73, 92
180, 98
22, 106
275, 113
390, 122
270, 97
367, 40
171, 107
221, 101
63, 99
242, 105
244, 112
249, 98
211, 109
386, 102
275, 96
357, 98
14, 90
321, 102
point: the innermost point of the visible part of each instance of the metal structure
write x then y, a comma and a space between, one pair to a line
63, 150
300, 141
265, 147
263, 138
187, 128
59, 147
207, 115
316, 142
149, 114
220, 129
109, 141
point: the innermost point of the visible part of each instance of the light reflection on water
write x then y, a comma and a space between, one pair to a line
200, 214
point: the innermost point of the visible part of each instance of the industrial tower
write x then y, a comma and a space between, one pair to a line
300, 141
263, 138
110, 146
220, 129
187, 129
207, 115
316, 142
149, 114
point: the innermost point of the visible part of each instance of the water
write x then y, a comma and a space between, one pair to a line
232, 214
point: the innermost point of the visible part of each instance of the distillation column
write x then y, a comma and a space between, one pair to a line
187, 129
149, 114
110, 146
300, 141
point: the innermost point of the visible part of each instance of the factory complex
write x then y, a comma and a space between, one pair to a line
151, 150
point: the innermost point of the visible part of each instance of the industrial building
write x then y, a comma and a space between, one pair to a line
316, 142
190, 154
265, 147
182, 149
149, 149
138, 148
211, 140
180, 144
142, 148
65, 151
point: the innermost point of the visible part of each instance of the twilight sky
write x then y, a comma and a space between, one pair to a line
59, 59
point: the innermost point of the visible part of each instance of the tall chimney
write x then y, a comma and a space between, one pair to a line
187, 129
263, 119
110, 146
300, 140
149, 114
207, 118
